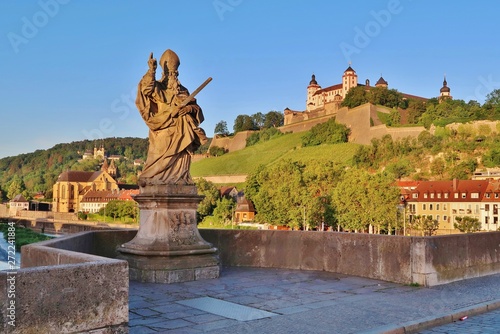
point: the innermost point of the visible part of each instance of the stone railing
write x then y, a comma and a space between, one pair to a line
74, 284
66, 285
427, 261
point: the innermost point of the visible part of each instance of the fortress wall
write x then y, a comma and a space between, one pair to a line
358, 120
305, 125
231, 144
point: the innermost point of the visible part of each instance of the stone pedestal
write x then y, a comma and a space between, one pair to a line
168, 247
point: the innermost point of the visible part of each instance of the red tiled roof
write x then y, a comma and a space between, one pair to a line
450, 187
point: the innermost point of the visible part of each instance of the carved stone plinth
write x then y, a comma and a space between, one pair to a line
168, 247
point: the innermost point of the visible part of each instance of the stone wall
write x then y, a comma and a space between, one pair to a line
428, 261
4, 211
234, 143
62, 288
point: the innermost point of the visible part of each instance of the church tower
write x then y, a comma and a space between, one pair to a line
311, 90
349, 80
444, 92
99, 152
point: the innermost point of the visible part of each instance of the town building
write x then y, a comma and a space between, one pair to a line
94, 200
71, 186
18, 203
446, 200
245, 211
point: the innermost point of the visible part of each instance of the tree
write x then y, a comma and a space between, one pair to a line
425, 224
210, 195
355, 97
363, 201
15, 187
467, 224
223, 211
493, 98
329, 132
438, 167
274, 119
244, 123
221, 128
259, 120
400, 168
279, 194
216, 151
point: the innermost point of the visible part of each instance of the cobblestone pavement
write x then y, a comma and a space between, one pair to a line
486, 323
256, 300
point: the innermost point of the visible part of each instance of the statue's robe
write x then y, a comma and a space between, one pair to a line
172, 138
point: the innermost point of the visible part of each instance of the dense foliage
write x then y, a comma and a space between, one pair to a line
263, 135
329, 132
38, 171
258, 121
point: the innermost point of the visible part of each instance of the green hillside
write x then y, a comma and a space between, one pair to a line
284, 147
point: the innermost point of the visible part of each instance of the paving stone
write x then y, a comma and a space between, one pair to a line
305, 302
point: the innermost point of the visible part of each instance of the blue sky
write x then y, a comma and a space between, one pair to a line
69, 68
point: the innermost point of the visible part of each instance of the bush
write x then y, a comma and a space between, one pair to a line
216, 151
329, 132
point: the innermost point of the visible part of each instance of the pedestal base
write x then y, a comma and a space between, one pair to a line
166, 270
168, 247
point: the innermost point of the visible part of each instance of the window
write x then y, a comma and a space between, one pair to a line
486, 207
446, 195
431, 206
437, 206
432, 195
496, 195
455, 195
474, 195
445, 207
437, 217
464, 195
415, 195
495, 209
445, 218
439, 195
424, 206
487, 195
425, 195
495, 220
486, 220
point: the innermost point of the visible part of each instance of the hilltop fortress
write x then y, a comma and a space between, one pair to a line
325, 103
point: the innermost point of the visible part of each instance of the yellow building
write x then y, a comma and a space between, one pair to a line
71, 186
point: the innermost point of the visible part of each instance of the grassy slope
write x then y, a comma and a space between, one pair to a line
284, 147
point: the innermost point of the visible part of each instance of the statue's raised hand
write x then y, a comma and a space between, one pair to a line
152, 62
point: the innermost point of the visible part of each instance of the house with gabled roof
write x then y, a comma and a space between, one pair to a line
18, 203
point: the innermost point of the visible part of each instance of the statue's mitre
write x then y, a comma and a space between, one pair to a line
171, 59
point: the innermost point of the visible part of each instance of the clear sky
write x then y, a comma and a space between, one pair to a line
69, 68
